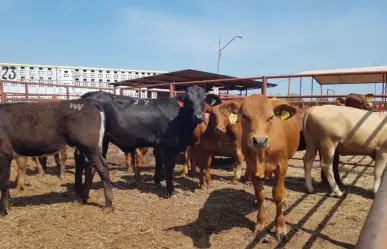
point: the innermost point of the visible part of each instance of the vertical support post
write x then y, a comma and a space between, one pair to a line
1, 92
289, 82
321, 90
26, 90
373, 233
67, 93
311, 91
245, 93
264, 86
171, 90
300, 85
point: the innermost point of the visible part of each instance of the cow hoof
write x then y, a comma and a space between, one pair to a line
107, 210
20, 188
258, 233
338, 194
281, 237
3, 213
255, 202
172, 195
61, 178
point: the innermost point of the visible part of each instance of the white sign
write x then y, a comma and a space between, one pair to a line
8, 73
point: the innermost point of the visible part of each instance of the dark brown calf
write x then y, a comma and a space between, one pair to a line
270, 137
35, 129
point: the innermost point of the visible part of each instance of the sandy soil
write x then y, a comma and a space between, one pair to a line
44, 215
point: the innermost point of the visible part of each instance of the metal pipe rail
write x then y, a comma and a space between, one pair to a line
374, 232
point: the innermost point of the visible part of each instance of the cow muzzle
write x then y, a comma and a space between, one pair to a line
198, 118
259, 142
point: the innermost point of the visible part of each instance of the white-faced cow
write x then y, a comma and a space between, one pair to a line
35, 129
166, 124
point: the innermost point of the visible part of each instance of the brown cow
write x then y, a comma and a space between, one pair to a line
358, 101
212, 137
21, 162
270, 137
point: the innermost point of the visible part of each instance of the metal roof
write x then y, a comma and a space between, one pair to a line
192, 75
361, 75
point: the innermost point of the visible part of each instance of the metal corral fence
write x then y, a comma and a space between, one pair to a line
372, 235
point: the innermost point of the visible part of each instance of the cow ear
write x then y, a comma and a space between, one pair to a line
233, 108
212, 99
181, 98
340, 101
369, 97
284, 111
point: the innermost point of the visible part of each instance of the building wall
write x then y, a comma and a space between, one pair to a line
68, 75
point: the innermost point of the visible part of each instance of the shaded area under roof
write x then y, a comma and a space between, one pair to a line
361, 75
192, 75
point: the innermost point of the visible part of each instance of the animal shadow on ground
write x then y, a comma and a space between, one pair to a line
224, 209
298, 184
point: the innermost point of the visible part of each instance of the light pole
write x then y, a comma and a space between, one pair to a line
220, 49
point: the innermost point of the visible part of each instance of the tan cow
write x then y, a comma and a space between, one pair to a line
348, 130
270, 137
22, 161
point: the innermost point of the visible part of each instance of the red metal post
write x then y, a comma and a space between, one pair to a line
171, 90
264, 86
67, 93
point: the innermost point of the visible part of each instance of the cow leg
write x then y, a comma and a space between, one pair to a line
43, 161
159, 166
129, 161
205, 168
21, 162
194, 156
169, 159
39, 167
62, 162
140, 154
260, 196
308, 159
239, 161
327, 154
187, 162
279, 198
380, 164
5, 166
99, 163
336, 174
79, 159
105, 146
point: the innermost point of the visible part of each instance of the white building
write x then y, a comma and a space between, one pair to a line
66, 75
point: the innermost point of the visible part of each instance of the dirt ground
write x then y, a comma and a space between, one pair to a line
44, 215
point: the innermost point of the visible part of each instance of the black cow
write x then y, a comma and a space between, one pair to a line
162, 123
34, 129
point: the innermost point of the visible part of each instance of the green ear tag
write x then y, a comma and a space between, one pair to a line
233, 118
284, 115
213, 101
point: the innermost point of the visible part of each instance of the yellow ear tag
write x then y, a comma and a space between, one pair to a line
213, 101
368, 99
233, 118
284, 115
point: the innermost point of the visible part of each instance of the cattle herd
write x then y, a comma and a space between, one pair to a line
262, 132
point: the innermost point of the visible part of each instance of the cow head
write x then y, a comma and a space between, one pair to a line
194, 100
257, 115
221, 116
358, 101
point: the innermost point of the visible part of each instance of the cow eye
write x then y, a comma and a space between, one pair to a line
271, 118
244, 117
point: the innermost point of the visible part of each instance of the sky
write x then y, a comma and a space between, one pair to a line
279, 37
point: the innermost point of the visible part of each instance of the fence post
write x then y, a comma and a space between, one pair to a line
374, 231
264, 86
